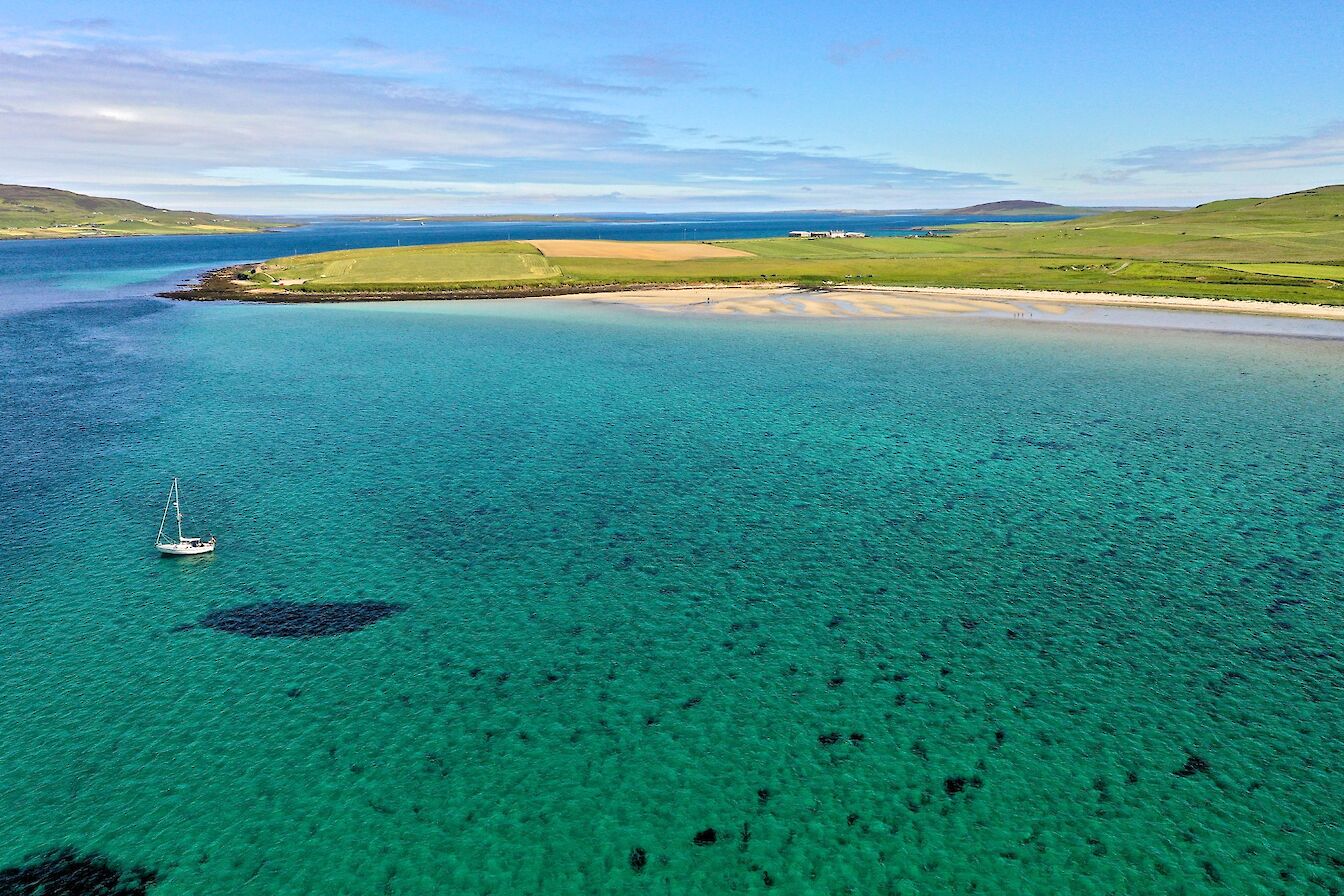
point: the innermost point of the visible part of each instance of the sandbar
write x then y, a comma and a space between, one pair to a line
875, 301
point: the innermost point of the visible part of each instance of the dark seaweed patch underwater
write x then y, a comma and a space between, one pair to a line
286, 619
65, 872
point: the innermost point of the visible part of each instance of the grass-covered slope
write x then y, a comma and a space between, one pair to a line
411, 267
43, 212
1287, 248
1295, 227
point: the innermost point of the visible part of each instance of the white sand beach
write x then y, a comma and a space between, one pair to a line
901, 302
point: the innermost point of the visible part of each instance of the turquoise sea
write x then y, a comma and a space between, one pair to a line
630, 603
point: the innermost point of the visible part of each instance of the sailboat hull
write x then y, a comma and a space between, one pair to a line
186, 548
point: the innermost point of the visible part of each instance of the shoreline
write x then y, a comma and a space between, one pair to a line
222, 285
777, 299
10, 234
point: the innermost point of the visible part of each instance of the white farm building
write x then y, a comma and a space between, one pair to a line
826, 234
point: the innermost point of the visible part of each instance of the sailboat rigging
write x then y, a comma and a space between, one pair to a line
185, 546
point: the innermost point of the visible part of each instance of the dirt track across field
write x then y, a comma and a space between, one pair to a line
637, 250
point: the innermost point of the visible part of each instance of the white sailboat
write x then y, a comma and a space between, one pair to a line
185, 546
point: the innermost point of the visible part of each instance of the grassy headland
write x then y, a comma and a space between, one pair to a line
40, 212
1288, 248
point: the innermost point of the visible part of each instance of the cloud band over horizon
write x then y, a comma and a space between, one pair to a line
364, 123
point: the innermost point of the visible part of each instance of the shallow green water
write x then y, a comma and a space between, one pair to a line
648, 566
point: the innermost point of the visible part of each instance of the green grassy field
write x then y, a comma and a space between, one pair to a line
42, 213
414, 266
1286, 248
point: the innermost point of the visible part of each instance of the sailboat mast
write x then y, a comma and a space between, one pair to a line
177, 505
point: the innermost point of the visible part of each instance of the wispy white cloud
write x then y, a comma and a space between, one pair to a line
93, 25
364, 54
843, 53
668, 67
729, 90
70, 101
640, 74
560, 81
773, 143
232, 132
1322, 147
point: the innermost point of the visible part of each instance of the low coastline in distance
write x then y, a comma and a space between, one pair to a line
1286, 250
29, 212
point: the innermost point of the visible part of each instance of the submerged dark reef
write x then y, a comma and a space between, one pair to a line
66, 872
287, 619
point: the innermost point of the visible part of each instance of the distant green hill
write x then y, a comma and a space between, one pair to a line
1013, 207
41, 212
1302, 227
1321, 205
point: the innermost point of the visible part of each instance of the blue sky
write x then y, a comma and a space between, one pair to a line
465, 106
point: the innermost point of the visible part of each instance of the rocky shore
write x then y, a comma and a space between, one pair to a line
230, 284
